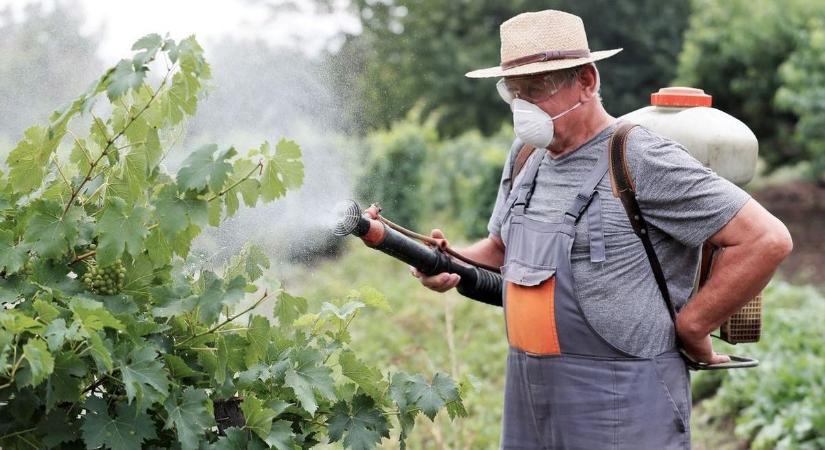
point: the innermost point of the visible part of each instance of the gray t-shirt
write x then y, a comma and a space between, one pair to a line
684, 204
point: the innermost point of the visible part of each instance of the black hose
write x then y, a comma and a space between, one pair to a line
476, 283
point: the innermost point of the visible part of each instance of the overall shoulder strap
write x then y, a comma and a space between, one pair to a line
625, 190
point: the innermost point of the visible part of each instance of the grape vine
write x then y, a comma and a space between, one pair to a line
111, 336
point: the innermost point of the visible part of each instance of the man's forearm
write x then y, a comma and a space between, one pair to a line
489, 251
739, 273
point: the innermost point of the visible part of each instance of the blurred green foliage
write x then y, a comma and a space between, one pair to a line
422, 181
415, 53
762, 62
779, 404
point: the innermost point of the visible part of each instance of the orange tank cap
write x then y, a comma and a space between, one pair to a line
684, 97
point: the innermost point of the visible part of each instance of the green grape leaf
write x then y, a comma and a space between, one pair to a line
182, 98
56, 333
174, 214
126, 431
215, 208
158, 248
344, 311
204, 168
66, 383
49, 232
289, 308
281, 436
248, 189
183, 241
129, 180
362, 426
144, 376
30, 159
189, 415
258, 417
369, 379
283, 170
41, 362
237, 439
120, 228
178, 368
56, 428
12, 257
307, 376
150, 44
124, 77
371, 296
249, 262
216, 294
16, 322
432, 397
92, 315
45, 311
258, 337
222, 359
101, 352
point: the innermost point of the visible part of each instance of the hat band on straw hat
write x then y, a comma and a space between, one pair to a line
549, 55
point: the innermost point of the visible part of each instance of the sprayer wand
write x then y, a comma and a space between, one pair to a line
478, 281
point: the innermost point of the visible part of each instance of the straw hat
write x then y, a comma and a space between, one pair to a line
540, 42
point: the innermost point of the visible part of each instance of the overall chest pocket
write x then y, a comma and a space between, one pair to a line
530, 251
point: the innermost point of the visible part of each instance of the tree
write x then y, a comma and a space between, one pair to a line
416, 53
113, 335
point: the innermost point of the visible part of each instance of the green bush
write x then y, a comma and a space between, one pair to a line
422, 181
779, 405
113, 334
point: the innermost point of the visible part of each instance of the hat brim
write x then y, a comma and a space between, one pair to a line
539, 67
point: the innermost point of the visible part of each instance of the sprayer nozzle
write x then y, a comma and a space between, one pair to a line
347, 213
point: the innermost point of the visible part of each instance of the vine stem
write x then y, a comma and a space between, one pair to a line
225, 322
100, 381
110, 142
16, 433
258, 167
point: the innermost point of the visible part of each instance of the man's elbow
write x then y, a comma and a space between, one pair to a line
776, 242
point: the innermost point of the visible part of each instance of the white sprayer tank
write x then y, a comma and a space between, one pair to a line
718, 140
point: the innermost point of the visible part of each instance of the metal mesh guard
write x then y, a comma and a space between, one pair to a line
745, 325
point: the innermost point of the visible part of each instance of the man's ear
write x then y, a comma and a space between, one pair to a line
589, 81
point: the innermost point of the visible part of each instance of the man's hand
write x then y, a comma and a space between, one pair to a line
698, 347
441, 282
754, 244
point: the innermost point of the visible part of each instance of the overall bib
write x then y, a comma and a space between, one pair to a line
566, 386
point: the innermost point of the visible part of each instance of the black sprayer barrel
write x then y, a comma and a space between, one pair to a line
476, 283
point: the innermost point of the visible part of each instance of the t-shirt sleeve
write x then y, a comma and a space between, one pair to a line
676, 193
494, 224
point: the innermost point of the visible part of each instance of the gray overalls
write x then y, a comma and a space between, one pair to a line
567, 387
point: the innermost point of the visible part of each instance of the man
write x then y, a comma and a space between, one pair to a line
593, 361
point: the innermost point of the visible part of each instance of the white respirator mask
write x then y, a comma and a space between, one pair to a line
532, 124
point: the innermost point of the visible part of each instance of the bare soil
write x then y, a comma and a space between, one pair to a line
801, 206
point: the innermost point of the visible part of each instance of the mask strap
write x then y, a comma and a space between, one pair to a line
568, 110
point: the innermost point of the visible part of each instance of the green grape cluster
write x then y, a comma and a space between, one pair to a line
105, 280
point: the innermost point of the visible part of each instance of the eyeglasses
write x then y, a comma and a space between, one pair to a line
532, 89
